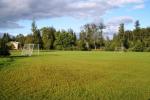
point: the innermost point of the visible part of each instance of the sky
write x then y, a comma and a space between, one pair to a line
16, 15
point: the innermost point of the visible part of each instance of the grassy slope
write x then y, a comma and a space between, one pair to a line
76, 75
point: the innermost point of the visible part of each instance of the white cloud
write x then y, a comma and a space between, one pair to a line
140, 6
12, 11
123, 2
113, 24
119, 20
82, 5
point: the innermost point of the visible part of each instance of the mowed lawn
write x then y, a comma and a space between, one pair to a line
76, 75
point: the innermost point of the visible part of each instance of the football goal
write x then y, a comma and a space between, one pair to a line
119, 49
30, 49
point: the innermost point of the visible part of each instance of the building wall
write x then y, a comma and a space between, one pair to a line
16, 45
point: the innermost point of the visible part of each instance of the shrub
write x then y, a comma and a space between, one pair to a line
4, 50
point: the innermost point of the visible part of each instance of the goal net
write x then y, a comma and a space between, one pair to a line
30, 49
120, 49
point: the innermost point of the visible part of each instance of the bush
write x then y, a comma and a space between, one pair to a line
4, 50
59, 47
138, 47
147, 49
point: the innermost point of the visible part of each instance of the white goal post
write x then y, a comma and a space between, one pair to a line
29, 49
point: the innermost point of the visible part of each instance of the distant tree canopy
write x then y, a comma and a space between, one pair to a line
90, 37
65, 40
136, 40
48, 37
4, 50
20, 38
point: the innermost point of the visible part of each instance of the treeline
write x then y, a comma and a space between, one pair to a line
49, 39
91, 37
136, 40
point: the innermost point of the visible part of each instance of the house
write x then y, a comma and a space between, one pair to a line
15, 44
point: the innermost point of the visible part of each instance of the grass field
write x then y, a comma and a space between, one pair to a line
76, 75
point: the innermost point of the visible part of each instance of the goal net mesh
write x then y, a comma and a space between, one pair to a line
30, 49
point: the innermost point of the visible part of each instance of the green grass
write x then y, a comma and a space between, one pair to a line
76, 76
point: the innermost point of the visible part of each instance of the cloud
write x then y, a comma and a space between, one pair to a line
11, 11
113, 24
118, 20
122, 2
140, 6
9, 24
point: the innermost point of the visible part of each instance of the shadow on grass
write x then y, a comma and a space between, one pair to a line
5, 61
8, 60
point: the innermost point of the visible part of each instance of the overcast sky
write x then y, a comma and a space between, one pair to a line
16, 15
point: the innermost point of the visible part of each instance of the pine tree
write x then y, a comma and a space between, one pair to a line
121, 34
37, 39
34, 27
4, 50
137, 25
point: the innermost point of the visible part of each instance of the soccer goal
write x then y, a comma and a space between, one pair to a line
30, 49
119, 49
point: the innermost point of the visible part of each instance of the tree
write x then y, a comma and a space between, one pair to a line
20, 38
95, 36
48, 37
33, 27
136, 40
64, 40
121, 29
137, 31
108, 44
137, 25
37, 39
4, 50
139, 47
121, 34
92, 35
101, 27
6, 37
73, 37
29, 39
88, 35
82, 41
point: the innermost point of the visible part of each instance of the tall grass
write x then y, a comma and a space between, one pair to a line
76, 76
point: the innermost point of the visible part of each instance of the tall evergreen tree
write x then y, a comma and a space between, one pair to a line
73, 37
137, 25
4, 50
33, 27
37, 39
101, 27
121, 29
122, 37
137, 31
